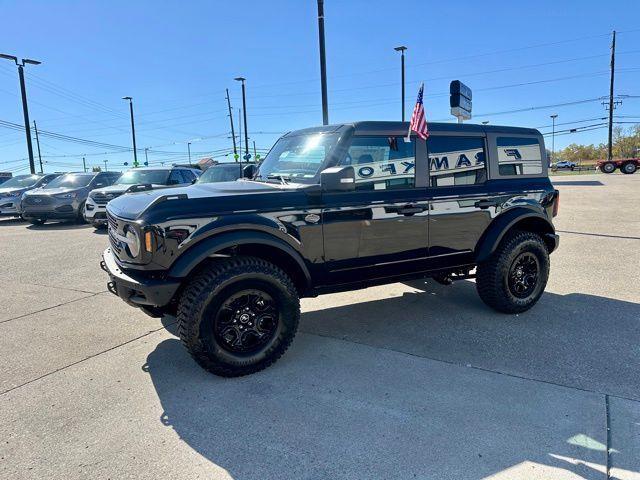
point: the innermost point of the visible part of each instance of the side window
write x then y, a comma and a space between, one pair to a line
519, 156
456, 160
175, 178
188, 176
101, 180
382, 163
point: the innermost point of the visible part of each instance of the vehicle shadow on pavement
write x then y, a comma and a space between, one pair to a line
59, 226
12, 221
576, 340
344, 403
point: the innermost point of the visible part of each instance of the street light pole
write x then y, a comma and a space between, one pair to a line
146, 157
189, 150
244, 113
401, 49
25, 109
553, 136
133, 131
323, 63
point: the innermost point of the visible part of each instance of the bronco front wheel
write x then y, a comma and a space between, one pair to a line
238, 316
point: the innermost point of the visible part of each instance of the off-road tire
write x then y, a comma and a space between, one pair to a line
493, 275
608, 167
198, 307
628, 168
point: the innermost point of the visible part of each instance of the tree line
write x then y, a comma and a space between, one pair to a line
626, 144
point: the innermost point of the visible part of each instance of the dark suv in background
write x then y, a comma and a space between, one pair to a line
330, 209
135, 179
63, 198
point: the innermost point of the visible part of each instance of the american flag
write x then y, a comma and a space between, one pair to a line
418, 120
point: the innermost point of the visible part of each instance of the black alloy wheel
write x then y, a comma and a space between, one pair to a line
523, 275
246, 321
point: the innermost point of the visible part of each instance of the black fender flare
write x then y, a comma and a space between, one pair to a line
506, 221
204, 249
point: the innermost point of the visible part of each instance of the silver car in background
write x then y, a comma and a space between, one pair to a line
64, 197
12, 190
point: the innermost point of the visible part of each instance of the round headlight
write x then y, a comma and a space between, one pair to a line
133, 242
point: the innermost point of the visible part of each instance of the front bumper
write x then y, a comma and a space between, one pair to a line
49, 208
135, 289
95, 213
9, 207
553, 240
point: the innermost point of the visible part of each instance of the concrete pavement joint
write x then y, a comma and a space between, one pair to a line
637, 400
86, 358
599, 235
52, 307
607, 411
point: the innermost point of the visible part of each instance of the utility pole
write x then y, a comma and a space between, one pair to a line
84, 165
323, 63
240, 135
189, 150
255, 154
244, 110
611, 104
553, 136
233, 133
133, 131
146, 157
25, 109
105, 165
35, 128
401, 49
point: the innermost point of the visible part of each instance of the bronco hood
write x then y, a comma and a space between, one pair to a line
132, 205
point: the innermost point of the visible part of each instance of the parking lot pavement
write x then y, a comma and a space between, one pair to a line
401, 381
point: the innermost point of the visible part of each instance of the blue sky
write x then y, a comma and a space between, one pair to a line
177, 58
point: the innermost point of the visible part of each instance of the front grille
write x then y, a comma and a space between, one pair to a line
113, 230
38, 200
100, 198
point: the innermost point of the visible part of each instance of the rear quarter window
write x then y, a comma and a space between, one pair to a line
519, 156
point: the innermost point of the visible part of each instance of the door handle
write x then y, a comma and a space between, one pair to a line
485, 204
408, 210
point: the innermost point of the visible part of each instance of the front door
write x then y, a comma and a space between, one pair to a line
381, 228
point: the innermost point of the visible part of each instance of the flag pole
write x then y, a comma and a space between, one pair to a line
408, 138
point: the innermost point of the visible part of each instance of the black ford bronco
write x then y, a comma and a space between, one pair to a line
330, 209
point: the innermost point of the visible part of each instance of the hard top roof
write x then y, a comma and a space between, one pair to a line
401, 128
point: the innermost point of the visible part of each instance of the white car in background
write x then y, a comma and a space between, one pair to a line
135, 179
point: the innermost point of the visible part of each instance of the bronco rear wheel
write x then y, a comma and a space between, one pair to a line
514, 277
238, 316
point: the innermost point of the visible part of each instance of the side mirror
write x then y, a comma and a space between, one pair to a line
99, 184
249, 171
194, 180
338, 179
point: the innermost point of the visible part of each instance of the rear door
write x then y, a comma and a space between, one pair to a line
381, 228
461, 200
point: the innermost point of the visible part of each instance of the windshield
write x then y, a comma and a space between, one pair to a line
221, 173
21, 181
135, 177
297, 158
70, 180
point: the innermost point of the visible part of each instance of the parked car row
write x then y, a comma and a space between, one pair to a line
83, 196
